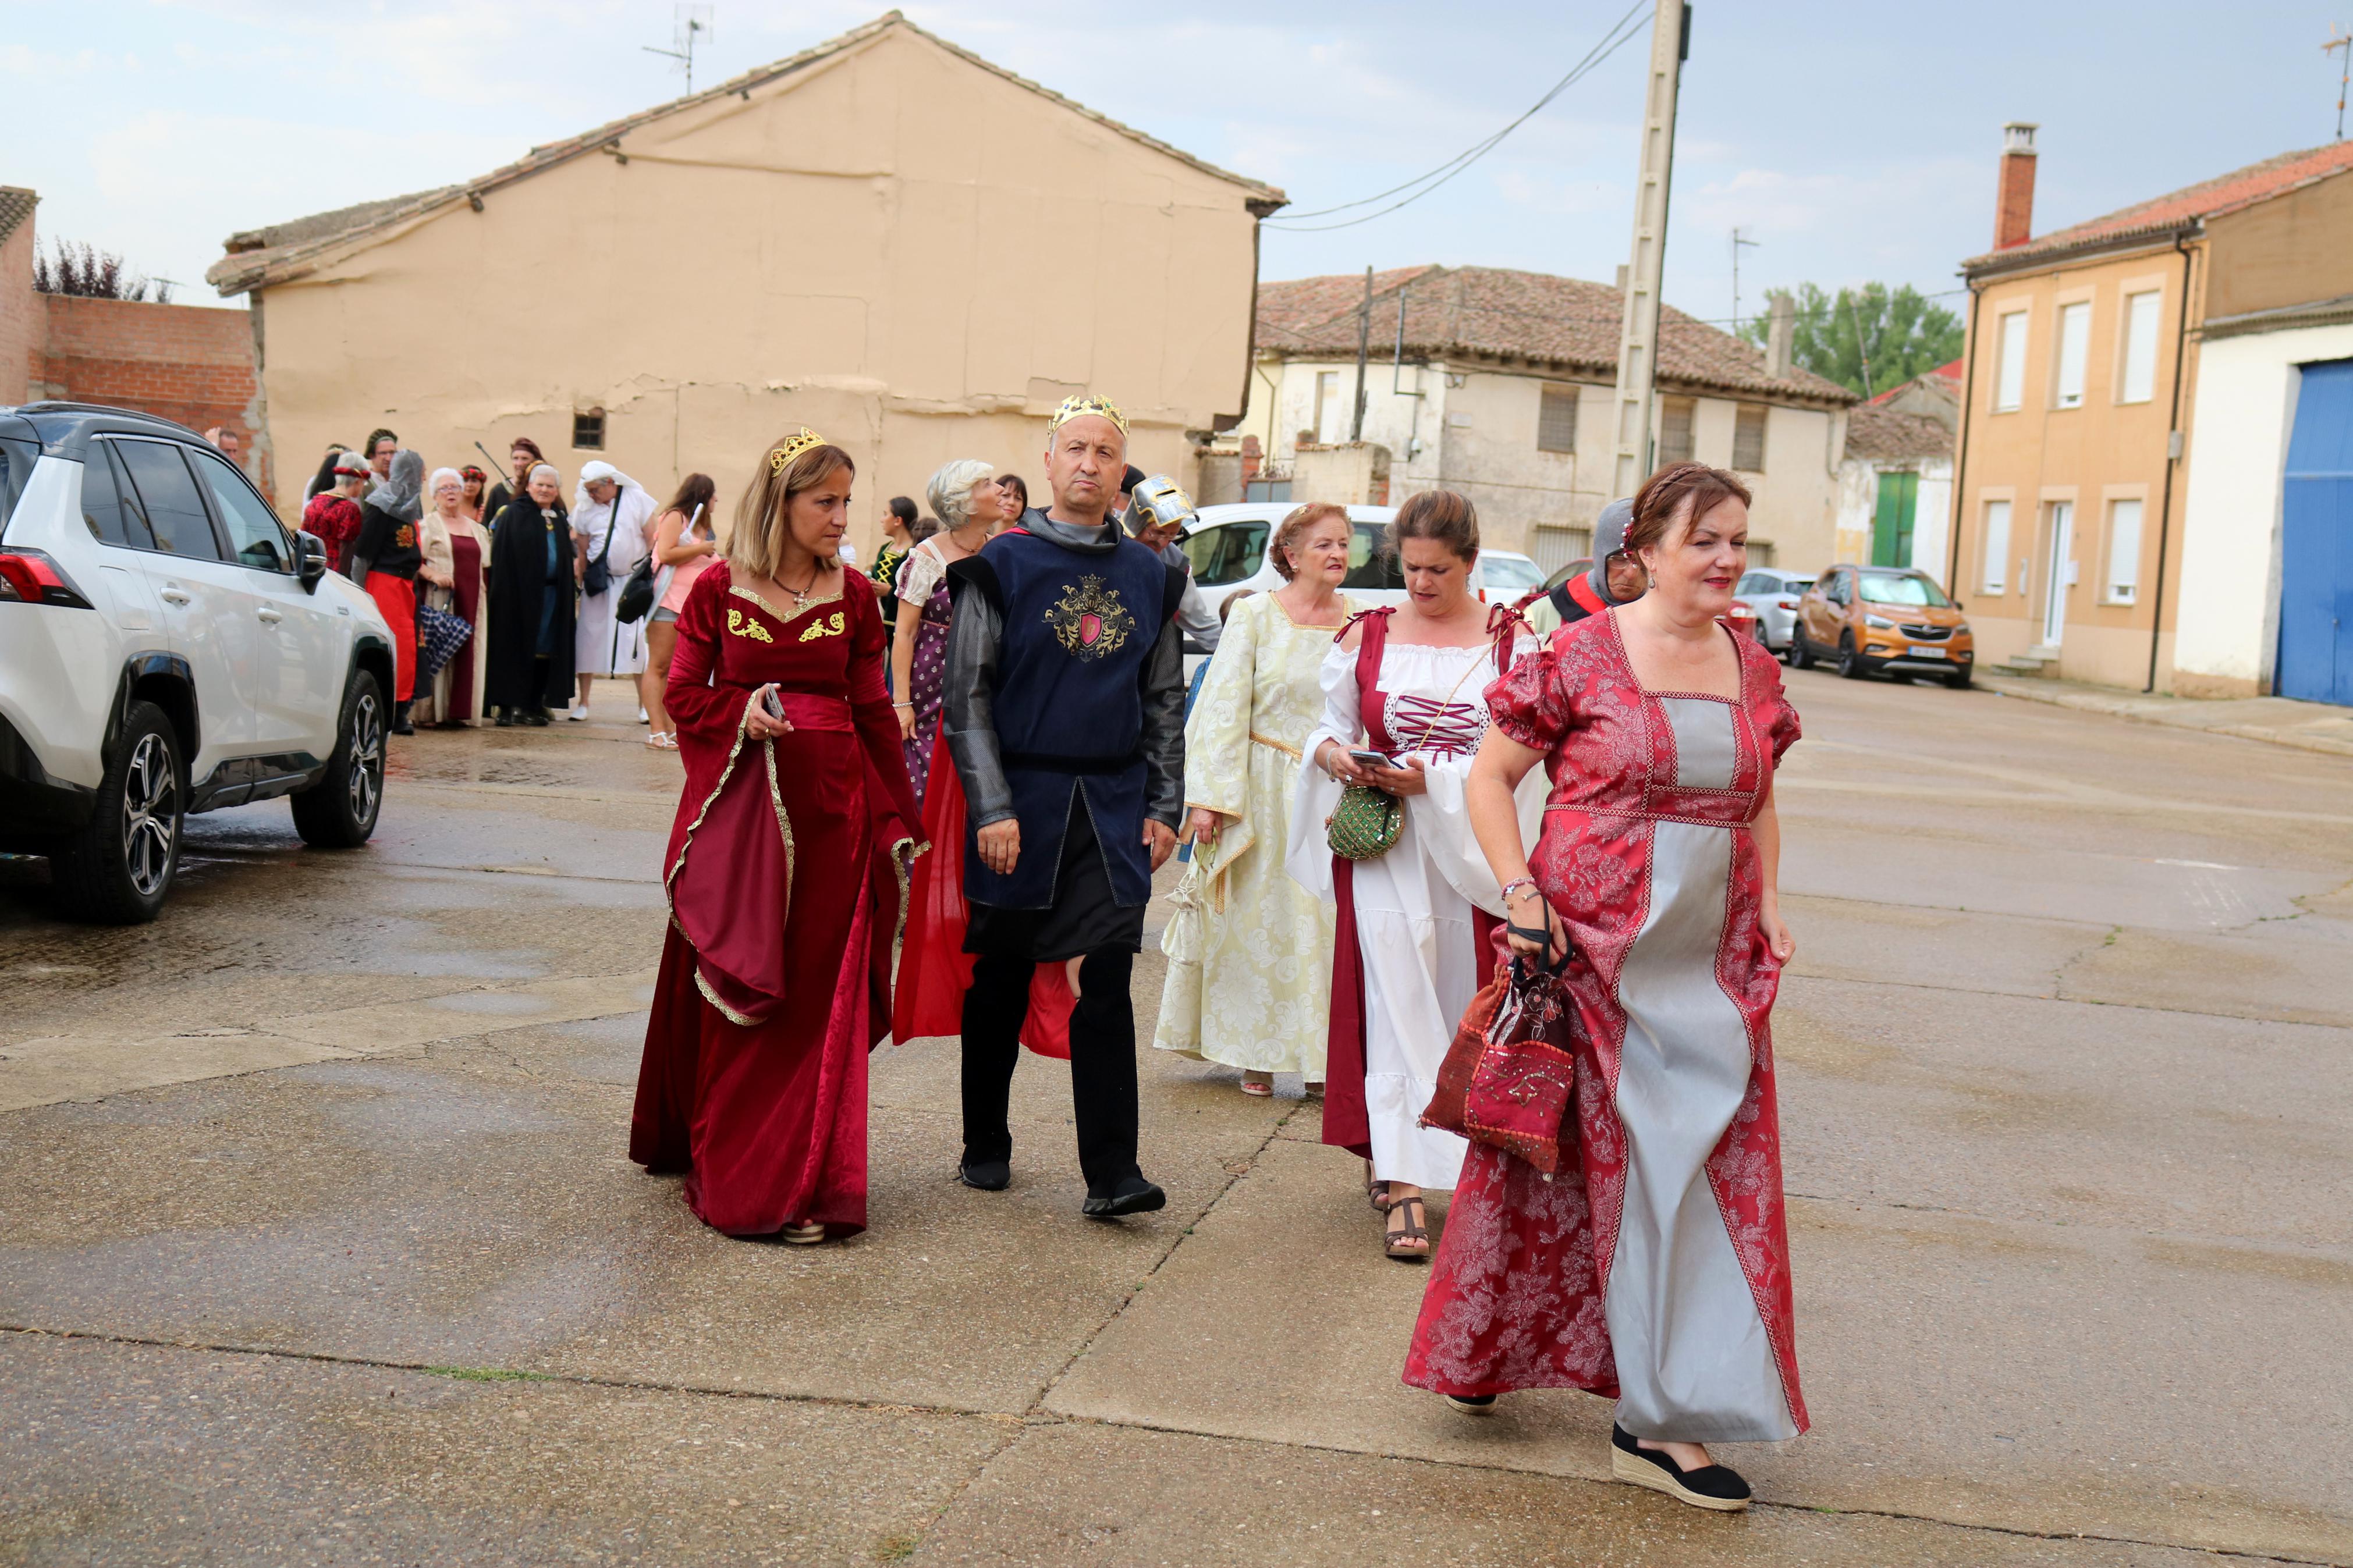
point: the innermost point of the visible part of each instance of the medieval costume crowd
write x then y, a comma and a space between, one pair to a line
1394, 813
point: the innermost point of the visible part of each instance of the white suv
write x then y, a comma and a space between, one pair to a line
167, 646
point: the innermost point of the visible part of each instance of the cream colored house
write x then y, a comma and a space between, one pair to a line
887, 238
1497, 384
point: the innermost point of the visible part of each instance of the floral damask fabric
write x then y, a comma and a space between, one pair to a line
1517, 1293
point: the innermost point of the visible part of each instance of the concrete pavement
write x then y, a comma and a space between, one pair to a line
318, 1241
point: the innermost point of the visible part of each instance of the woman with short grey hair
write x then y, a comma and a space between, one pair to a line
968, 502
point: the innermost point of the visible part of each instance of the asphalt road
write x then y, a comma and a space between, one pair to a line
318, 1241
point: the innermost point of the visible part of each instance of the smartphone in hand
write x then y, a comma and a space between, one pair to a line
1370, 759
770, 703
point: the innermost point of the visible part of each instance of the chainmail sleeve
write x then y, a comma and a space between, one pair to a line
975, 630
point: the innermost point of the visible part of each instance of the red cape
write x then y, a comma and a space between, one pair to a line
934, 971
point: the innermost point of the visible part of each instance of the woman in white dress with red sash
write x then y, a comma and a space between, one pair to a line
1415, 923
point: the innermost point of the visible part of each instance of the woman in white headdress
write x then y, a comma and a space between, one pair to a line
612, 530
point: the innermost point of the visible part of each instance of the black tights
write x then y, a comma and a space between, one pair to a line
1103, 1062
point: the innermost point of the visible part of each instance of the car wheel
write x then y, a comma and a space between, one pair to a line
1801, 652
1957, 680
339, 811
1850, 662
117, 870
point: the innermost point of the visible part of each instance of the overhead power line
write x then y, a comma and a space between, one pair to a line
1422, 185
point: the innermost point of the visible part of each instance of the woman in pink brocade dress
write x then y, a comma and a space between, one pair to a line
1654, 1270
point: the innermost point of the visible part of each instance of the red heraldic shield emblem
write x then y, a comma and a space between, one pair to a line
1090, 622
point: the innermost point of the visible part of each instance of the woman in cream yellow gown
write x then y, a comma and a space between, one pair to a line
1248, 950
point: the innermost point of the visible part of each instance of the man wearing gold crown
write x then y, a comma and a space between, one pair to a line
1064, 713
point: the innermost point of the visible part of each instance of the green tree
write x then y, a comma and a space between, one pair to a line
1867, 339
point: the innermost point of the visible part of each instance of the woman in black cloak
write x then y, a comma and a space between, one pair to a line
533, 599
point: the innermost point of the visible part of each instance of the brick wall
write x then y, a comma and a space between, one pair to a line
182, 362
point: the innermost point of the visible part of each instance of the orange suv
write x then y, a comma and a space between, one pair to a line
1867, 619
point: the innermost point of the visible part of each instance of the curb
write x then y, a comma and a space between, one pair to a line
2133, 710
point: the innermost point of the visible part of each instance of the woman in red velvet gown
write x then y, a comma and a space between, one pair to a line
786, 873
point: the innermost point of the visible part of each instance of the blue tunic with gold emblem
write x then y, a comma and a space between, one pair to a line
1066, 698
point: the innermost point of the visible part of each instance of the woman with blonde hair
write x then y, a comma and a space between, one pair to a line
784, 871
1250, 979
970, 504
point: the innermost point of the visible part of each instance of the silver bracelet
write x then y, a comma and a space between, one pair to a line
1518, 882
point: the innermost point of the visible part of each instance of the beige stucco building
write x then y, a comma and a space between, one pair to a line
2119, 520
886, 239
1498, 384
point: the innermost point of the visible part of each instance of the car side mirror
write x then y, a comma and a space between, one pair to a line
1959, 605
309, 560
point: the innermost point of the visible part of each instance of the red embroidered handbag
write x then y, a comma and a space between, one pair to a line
1510, 1077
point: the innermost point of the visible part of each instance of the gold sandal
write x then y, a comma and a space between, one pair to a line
804, 1235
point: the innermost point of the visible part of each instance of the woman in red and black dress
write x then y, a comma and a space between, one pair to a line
786, 871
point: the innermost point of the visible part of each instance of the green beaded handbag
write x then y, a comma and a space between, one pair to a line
1365, 824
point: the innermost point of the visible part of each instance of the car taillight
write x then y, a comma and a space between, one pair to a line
1785, 603
28, 577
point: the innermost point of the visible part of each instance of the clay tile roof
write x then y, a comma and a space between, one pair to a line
16, 205
1950, 370
258, 257
2184, 208
1874, 433
1559, 323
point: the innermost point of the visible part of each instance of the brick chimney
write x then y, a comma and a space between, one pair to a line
2013, 212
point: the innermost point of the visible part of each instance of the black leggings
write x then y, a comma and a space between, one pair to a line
1103, 1062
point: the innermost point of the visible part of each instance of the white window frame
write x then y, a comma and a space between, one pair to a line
1996, 515
2120, 581
2072, 356
2009, 329
2140, 324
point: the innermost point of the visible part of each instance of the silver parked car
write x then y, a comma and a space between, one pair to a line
1773, 594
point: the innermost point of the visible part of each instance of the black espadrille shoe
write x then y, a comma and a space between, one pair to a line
1710, 1486
1471, 1404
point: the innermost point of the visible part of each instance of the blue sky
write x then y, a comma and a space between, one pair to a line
1852, 141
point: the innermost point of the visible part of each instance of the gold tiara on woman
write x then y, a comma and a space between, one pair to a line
794, 445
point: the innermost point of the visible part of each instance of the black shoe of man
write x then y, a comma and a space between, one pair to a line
1133, 1195
984, 1176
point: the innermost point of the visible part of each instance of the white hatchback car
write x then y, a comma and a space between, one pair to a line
1227, 550
167, 646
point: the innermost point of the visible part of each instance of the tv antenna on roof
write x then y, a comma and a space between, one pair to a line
1738, 240
2340, 41
694, 22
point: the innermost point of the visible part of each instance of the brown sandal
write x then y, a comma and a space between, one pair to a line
1377, 1192
1396, 1242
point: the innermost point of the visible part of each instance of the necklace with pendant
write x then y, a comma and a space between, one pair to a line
801, 595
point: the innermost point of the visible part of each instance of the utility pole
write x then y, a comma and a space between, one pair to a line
1363, 342
1638, 341
1739, 241
2340, 43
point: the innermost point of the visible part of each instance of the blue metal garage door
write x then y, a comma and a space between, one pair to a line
2316, 651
